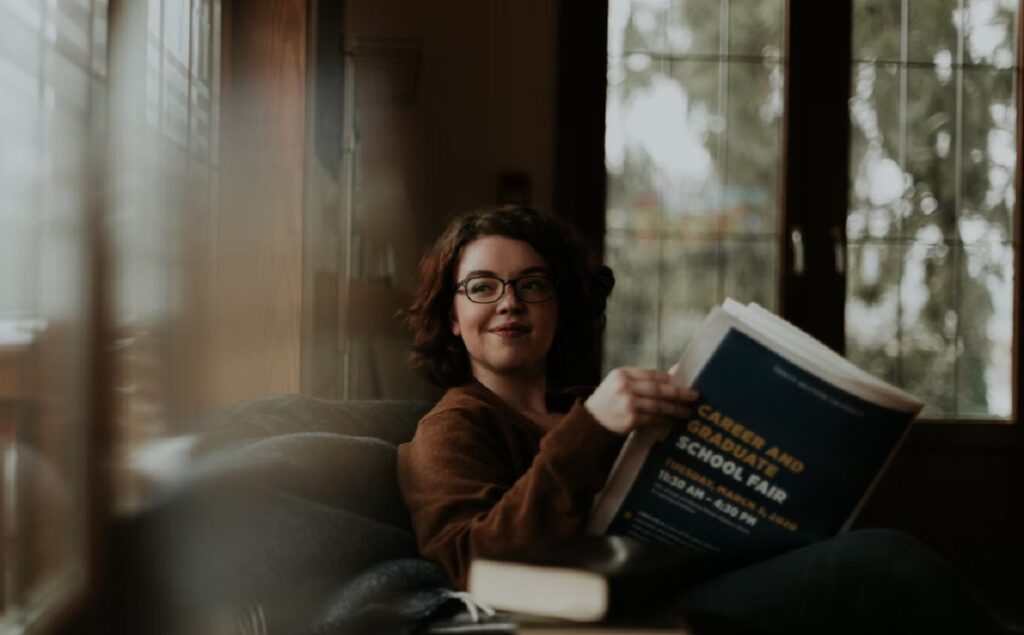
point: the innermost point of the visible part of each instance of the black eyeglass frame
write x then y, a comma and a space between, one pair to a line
504, 287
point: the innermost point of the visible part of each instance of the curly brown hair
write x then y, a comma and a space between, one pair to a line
583, 289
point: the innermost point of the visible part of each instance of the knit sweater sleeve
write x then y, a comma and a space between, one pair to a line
465, 498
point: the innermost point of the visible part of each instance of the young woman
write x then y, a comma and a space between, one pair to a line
508, 307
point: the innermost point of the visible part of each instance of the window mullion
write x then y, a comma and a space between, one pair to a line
816, 160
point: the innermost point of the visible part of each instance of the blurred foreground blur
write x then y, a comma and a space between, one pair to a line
205, 202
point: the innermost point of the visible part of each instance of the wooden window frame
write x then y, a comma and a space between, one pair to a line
814, 177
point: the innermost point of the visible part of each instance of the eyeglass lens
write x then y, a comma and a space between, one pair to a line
527, 289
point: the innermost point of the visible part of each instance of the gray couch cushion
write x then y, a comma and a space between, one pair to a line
340, 454
390, 421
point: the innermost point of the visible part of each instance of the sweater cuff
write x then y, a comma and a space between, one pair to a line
579, 438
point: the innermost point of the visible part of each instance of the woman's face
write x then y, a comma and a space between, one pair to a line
507, 337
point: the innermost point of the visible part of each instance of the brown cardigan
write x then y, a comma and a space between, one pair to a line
479, 477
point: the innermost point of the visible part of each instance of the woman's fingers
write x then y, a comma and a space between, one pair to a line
632, 396
662, 407
645, 374
663, 390
651, 382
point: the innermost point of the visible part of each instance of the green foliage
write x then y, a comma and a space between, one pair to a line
950, 183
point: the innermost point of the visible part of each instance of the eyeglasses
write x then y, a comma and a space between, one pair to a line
487, 289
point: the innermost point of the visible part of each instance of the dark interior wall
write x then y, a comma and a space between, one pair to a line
483, 105
485, 100
490, 97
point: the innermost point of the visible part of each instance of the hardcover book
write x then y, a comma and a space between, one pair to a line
555, 585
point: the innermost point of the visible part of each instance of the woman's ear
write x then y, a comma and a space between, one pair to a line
456, 330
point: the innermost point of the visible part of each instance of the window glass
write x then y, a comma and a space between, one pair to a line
930, 223
165, 97
693, 122
52, 80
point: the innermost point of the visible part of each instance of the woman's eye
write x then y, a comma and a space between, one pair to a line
535, 284
481, 287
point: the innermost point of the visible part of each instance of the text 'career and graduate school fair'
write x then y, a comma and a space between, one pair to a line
784, 444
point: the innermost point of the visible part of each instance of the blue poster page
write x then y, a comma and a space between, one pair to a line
772, 458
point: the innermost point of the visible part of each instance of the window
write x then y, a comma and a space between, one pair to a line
65, 177
693, 128
694, 157
931, 215
165, 150
52, 81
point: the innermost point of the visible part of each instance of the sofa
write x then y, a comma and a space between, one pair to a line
288, 519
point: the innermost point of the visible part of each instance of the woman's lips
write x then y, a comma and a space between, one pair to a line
510, 330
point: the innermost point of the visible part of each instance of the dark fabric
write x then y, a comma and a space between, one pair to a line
393, 596
481, 478
354, 473
209, 560
281, 555
868, 581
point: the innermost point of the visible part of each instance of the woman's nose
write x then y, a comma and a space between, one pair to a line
510, 302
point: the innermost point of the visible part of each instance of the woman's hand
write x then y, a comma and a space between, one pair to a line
631, 397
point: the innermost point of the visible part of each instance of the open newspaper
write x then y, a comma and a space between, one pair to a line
783, 447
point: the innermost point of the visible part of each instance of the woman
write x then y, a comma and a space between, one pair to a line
507, 308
